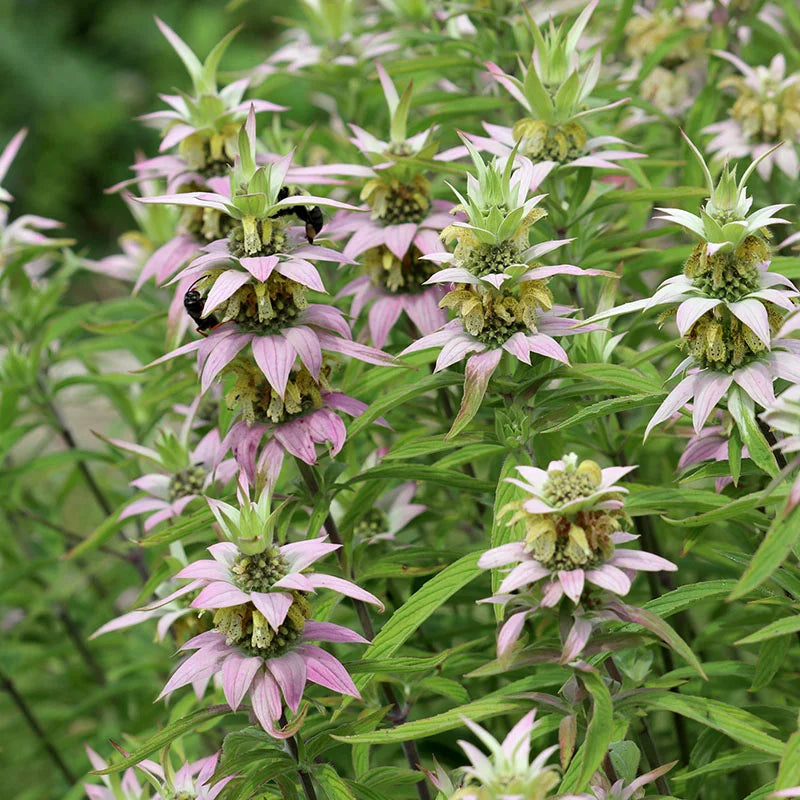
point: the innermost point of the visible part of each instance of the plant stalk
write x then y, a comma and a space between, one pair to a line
37, 729
398, 714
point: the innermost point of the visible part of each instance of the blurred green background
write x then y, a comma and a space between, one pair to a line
75, 72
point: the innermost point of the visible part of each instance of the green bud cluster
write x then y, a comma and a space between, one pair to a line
188, 481
260, 571
394, 202
371, 524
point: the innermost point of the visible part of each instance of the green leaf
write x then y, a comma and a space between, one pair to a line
742, 410
770, 657
726, 763
599, 733
420, 472
334, 787
738, 724
774, 548
685, 597
605, 408
424, 602
647, 619
447, 721
779, 627
164, 737
401, 396
789, 770
622, 377
363, 792
101, 534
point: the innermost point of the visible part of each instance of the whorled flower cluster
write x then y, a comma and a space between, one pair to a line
250, 290
766, 111
574, 519
401, 228
730, 305
257, 594
501, 296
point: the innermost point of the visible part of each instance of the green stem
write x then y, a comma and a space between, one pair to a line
305, 778
398, 713
34, 725
65, 432
646, 740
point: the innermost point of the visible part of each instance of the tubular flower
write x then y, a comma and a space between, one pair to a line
191, 781
266, 578
729, 305
573, 521
554, 89
308, 415
254, 661
263, 573
402, 228
501, 297
186, 475
766, 112
507, 773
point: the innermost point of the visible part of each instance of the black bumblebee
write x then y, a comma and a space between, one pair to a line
311, 217
193, 302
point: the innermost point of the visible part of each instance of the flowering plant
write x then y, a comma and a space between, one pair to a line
351, 463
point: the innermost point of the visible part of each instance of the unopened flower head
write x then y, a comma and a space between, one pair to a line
507, 773
725, 223
574, 518
766, 112
554, 89
204, 125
